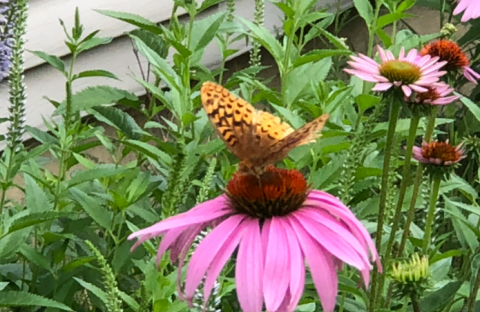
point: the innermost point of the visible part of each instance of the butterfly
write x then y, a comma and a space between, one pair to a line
256, 137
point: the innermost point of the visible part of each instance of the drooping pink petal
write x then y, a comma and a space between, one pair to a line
276, 275
204, 212
249, 268
297, 269
219, 261
206, 252
382, 86
321, 266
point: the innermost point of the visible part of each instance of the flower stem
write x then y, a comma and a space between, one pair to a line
394, 113
415, 305
473, 296
431, 214
403, 188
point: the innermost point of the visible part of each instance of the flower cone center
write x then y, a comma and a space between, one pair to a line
277, 192
442, 151
448, 51
402, 71
428, 97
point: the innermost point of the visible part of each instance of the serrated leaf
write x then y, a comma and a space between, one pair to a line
133, 19
118, 119
150, 151
25, 299
96, 73
205, 30
130, 301
10, 243
164, 69
35, 197
93, 289
154, 42
32, 255
36, 218
96, 96
53, 60
266, 39
41, 136
474, 109
96, 173
92, 207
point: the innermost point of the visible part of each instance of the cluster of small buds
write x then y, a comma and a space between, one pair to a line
6, 34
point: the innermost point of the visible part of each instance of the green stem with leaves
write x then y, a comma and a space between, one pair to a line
395, 107
372, 27
431, 214
286, 67
473, 295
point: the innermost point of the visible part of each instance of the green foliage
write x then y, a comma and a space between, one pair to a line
76, 211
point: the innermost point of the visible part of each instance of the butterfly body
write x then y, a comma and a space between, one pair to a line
256, 137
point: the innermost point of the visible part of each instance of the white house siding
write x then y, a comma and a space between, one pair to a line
44, 33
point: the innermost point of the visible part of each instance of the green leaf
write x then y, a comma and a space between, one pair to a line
440, 298
266, 39
150, 151
474, 109
131, 301
35, 197
96, 96
25, 299
205, 30
41, 136
154, 42
365, 10
97, 173
165, 70
33, 256
11, 243
133, 19
92, 207
96, 73
53, 60
36, 218
92, 43
387, 19
93, 289
118, 119
317, 55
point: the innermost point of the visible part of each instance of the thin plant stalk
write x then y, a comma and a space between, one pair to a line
403, 188
473, 296
416, 184
431, 214
394, 114
415, 305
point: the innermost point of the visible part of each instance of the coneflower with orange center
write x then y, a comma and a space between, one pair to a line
276, 222
438, 153
450, 52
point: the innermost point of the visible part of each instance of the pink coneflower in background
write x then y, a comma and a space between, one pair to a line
438, 153
438, 94
471, 8
276, 223
410, 72
450, 52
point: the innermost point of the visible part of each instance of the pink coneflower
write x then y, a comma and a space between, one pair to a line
276, 223
471, 8
438, 94
438, 153
456, 59
409, 72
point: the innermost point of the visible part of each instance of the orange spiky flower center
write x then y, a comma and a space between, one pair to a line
427, 97
276, 192
441, 150
448, 51
402, 71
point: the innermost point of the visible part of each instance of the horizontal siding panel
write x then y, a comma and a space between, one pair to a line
117, 57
